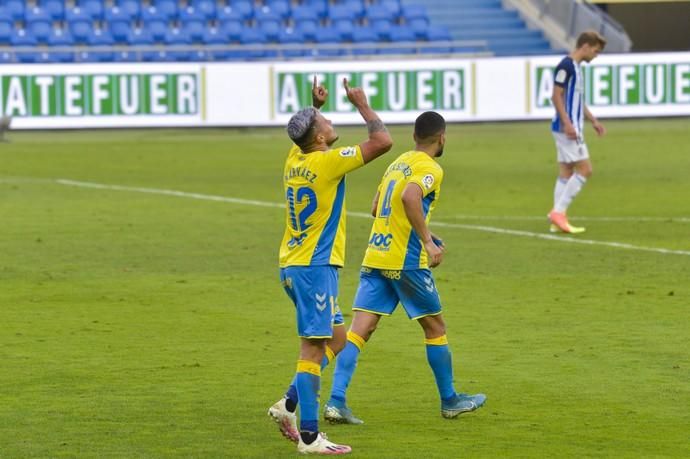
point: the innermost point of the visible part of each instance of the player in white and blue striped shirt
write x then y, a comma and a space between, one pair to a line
567, 126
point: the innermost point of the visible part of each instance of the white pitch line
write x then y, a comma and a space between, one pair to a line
487, 229
598, 219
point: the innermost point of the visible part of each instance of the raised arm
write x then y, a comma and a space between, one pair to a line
319, 95
412, 202
379, 141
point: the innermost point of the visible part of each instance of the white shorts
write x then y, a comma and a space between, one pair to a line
568, 150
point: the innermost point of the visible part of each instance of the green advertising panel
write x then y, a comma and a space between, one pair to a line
388, 91
99, 94
624, 84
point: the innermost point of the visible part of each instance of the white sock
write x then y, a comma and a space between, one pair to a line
571, 189
558, 190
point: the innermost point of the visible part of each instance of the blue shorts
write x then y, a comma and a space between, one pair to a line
381, 290
314, 290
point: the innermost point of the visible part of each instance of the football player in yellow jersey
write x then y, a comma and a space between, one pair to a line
312, 250
396, 270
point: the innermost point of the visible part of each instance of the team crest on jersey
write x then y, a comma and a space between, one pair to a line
428, 181
348, 152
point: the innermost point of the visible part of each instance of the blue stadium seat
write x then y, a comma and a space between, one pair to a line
60, 37
78, 14
80, 30
120, 30
206, 7
15, 8
378, 12
119, 14
6, 57
265, 13
191, 13
178, 36
292, 37
5, 16
420, 28
308, 29
93, 7
20, 37
344, 29
342, 13
364, 35
280, 7
251, 36
36, 14
232, 30
96, 56
101, 37
402, 34
157, 30
40, 30
238, 11
414, 11
327, 35
163, 10
439, 33
271, 29
6, 29
304, 13
356, 6
214, 36
382, 28
393, 6
54, 8
28, 57
319, 6
195, 31
140, 37
125, 56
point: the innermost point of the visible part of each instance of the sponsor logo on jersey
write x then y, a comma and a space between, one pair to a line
381, 241
348, 152
428, 181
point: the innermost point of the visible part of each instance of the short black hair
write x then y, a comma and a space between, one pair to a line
429, 124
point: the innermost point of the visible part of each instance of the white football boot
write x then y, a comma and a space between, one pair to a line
322, 446
287, 422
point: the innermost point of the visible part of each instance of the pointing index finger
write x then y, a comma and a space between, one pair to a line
347, 88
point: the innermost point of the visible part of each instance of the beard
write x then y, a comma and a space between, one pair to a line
439, 153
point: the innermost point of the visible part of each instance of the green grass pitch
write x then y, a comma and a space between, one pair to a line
144, 324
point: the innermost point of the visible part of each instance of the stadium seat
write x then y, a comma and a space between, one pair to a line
15, 8
439, 33
120, 30
240, 11
214, 36
125, 56
140, 37
232, 30
382, 28
304, 13
344, 29
93, 7
36, 14
6, 29
119, 14
157, 30
20, 37
28, 57
414, 11
327, 35
342, 13
100, 37
265, 13
206, 7
190, 13
280, 7
6, 57
378, 12
96, 56
251, 36
40, 30
60, 37
80, 30
420, 28
319, 6
308, 29
77, 14
393, 6
178, 36
54, 8
271, 29
364, 35
194, 31
163, 10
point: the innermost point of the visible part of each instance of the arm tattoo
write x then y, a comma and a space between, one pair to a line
376, 126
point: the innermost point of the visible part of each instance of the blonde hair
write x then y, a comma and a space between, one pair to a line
592, 38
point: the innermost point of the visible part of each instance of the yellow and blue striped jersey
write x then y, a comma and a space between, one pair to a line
314, 186
393, 243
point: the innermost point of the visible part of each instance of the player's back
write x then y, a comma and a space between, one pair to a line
314, 185
393, 244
